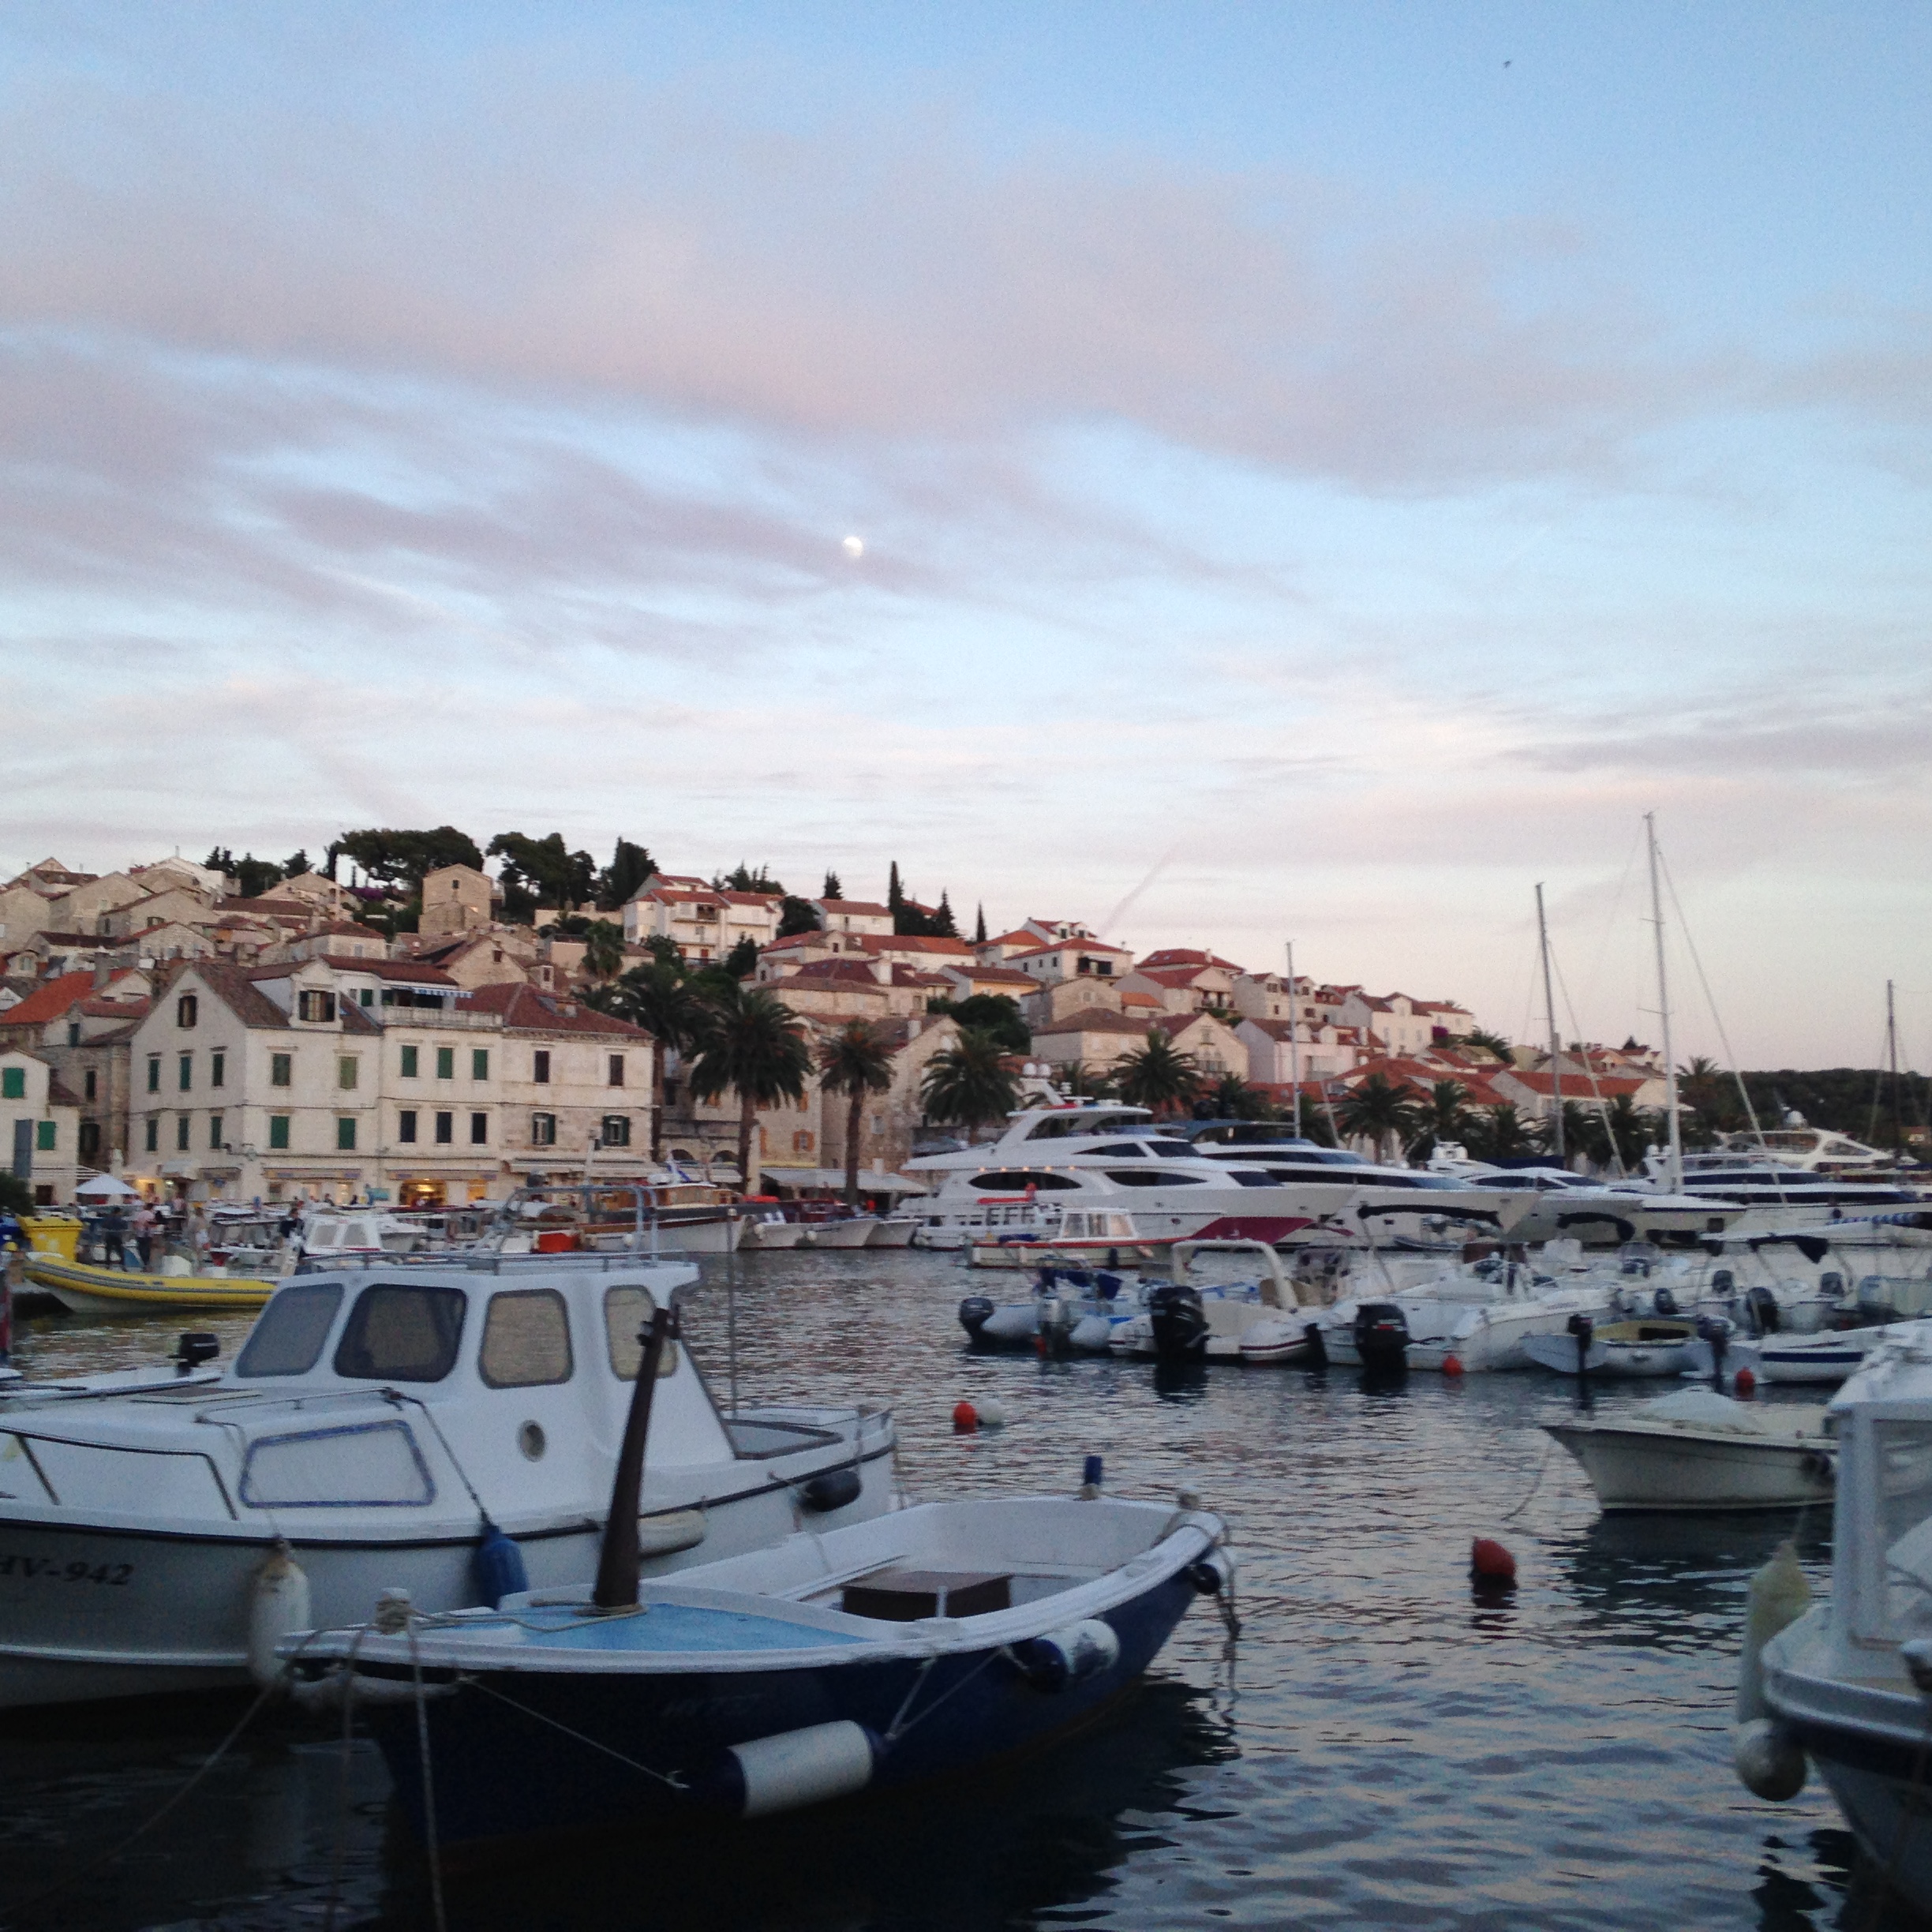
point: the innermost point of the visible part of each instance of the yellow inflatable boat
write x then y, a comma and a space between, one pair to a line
89, 1290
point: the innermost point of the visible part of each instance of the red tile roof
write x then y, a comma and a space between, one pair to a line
853, 905
1186, 956
1094, 1020
526, 1009
51, 1000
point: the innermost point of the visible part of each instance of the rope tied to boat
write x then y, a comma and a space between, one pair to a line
672, 1780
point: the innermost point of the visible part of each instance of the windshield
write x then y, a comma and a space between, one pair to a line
401, 1331
287, 1340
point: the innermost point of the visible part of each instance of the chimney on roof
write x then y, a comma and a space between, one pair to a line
100, 974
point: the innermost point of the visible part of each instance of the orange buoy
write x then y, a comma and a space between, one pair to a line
1745, 1384
1452, 1364
1490, 1562
965, 1418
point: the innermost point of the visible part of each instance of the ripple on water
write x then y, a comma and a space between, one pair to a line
1377, 1748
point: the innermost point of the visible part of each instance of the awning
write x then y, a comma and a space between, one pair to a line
871, 1180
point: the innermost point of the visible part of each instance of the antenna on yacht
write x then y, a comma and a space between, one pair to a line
1294, 1044
1673, 1173
1556, 1039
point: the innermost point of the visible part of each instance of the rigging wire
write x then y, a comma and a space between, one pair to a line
1590, 1068
1617, 907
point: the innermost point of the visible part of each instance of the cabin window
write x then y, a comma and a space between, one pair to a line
626, 1312
617, 1130
406, 1126
278, 1132
410, 1057
1152, 1177
288, 1335
543, 1130
401, 1332
1020, 1181
525, 1339
281, 1069
540, 1067
1902, 1484
187, 1010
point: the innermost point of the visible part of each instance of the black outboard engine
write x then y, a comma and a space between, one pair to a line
1831, 1285
1382, 1335
1665, 1302
1179, 1322
1761, 1305
1585, 1330
1715, 1330
1722, 1282
974, 1312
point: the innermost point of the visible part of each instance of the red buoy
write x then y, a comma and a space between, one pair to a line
1491, 1562
965, 1418
1745, 1384
1452, 1364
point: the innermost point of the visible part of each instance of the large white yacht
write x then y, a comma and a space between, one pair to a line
1774, 1199
1175, 1185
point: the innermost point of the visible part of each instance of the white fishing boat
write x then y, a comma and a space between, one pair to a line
446, 1428
840, 1231
766, 1228
1696, 1449
1847, 1688
892, 1231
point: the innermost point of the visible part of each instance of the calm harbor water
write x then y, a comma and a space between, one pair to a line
1377, 1747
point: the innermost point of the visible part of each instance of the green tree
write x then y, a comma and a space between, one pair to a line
1233, 1099
980, 931
1476, 1036
857, 1061
742, 878
1443, 1116
968, 1082
997, 1014
658, 998
831, 888
741, 962
603, 949
620, 881
1633, 1131
1379, 1112
541, 872
16, 1195
296, 864
942, 925
1499, 1132
754, 1046
796, 916
1157, 1075
404, 859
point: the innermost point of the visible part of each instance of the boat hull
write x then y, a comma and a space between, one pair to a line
85, 1289
1639, 1468
760, 1235
856, 1233
500, 1773
891, 1235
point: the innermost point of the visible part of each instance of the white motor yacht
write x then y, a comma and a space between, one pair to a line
1772, 1199
1563, 1205
1846, 1688
381, 1427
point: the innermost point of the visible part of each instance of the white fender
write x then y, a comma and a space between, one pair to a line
675, 1530
810, 1766
1767, 1761
277, 1610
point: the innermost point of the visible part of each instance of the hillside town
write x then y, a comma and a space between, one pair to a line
301, 1040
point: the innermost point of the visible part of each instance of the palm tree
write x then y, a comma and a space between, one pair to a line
1157, 1075
603, 949
857, 1061
968, 1083
1492, 1042
1632, 1132
1378, 1112
1235, 1100
1443, 1116
659, 999
1499, 1133
755, 1045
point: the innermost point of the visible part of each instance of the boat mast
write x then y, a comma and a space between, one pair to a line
1294, 1044
1674, 1171
1555, 1041
1898, 1126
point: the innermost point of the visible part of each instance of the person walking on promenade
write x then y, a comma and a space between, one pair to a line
145, 1223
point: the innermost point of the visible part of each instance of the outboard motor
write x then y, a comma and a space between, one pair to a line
1106, 1285
1179, 1322
1382, 1335
1715, 1330
974, 1312
1831, 1285
1724, 1282
1585, 1330
1665, 1301
1761, 1305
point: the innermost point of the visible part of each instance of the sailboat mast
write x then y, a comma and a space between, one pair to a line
1674, 1173
1555, 1041
1898, 1125
1294, 1042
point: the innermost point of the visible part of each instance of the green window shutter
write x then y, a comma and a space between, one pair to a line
12, 1083
345, 1134
277, 1131
44, 1136
281, 1069
479, 1063
187, 1072
154, 1074
154, 1134
446, 1063
409, 1062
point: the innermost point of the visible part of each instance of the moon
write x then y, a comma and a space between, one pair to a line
854, 547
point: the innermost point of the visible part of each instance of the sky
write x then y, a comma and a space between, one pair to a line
1317, 470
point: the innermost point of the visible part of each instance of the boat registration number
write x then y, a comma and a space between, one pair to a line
56, 1572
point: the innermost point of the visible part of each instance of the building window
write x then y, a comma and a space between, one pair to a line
153, 1073
153, 1139
12, 1083
446, 1063
187, 1010
445, 1129
218, 1070
479, 1130
90, 1140
406, 1126
180, 1133
543, 1130
367, 996
540, 1066
617, 1130
73, 1032
187, 1072
281, 1069
313, 1005
409, 1056
346, 1067
277, 1132
44, 1136
90, 1082
616, 1069
479, 1063
214, 1133
345, 1133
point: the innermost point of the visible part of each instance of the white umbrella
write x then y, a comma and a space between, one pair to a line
105, 1187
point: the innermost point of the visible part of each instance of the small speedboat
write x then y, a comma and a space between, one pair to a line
928, 1642
1698, 1450
892, 1231
1070, 1308
1260, 1321
1647, 1345
84, 1289
768, 1228
841, 1231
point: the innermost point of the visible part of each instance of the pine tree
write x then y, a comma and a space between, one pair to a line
980, 931
832, 889
942, 923
895, 897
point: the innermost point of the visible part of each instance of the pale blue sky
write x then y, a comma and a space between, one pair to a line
1290, 443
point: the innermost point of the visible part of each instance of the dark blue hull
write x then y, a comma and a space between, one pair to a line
566, 1760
